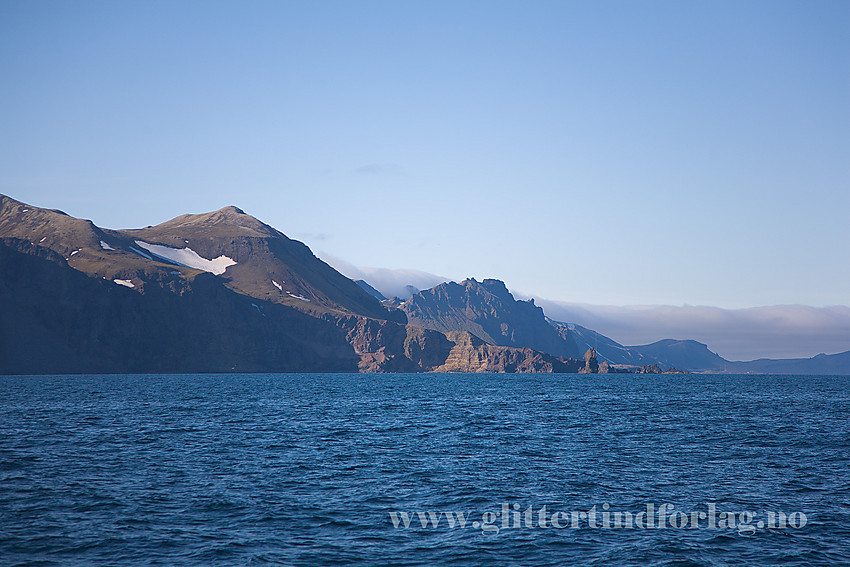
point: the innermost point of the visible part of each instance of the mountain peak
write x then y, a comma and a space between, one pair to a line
231, 209
680, 343
229, 220
496, 287
487, 310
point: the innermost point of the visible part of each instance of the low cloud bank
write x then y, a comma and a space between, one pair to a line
780, 331
391, 283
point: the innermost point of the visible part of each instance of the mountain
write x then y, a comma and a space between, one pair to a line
222, 292
248, 256
836, 364
215, 292
684, 355
265, 264
56, 319
489, 311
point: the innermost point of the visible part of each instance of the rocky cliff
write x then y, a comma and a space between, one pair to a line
488, 311
470, 354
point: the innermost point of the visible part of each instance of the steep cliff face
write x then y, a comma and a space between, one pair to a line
378, 344
591, 364
428, 348
471, 354
385, 346
489, 311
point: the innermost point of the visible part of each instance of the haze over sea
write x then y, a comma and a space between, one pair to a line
310, 469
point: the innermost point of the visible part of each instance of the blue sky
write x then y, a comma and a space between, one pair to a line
597, 152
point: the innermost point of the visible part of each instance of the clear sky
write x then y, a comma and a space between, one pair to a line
598, 152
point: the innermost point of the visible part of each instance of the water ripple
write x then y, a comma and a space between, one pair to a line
305, 469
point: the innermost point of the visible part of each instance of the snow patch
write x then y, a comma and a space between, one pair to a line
106, 246
174, 272
126, 283
43, 239
25, 211
301, 297
189, 258
277, 285
140, 253
74, 252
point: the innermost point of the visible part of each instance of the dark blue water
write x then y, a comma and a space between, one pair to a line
307, 469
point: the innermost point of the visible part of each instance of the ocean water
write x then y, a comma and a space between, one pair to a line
310, 469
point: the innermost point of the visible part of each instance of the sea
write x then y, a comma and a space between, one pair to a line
424, 469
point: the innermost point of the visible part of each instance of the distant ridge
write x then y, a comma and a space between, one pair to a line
833, 364
735, 334
684, 355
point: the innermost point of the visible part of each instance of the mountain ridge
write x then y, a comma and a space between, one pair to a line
487, 310
78, 298
490, 312
226, 276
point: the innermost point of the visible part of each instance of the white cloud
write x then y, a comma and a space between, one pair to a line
379, 169
391, 283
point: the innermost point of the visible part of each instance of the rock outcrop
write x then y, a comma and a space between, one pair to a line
591, 365
471, 354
